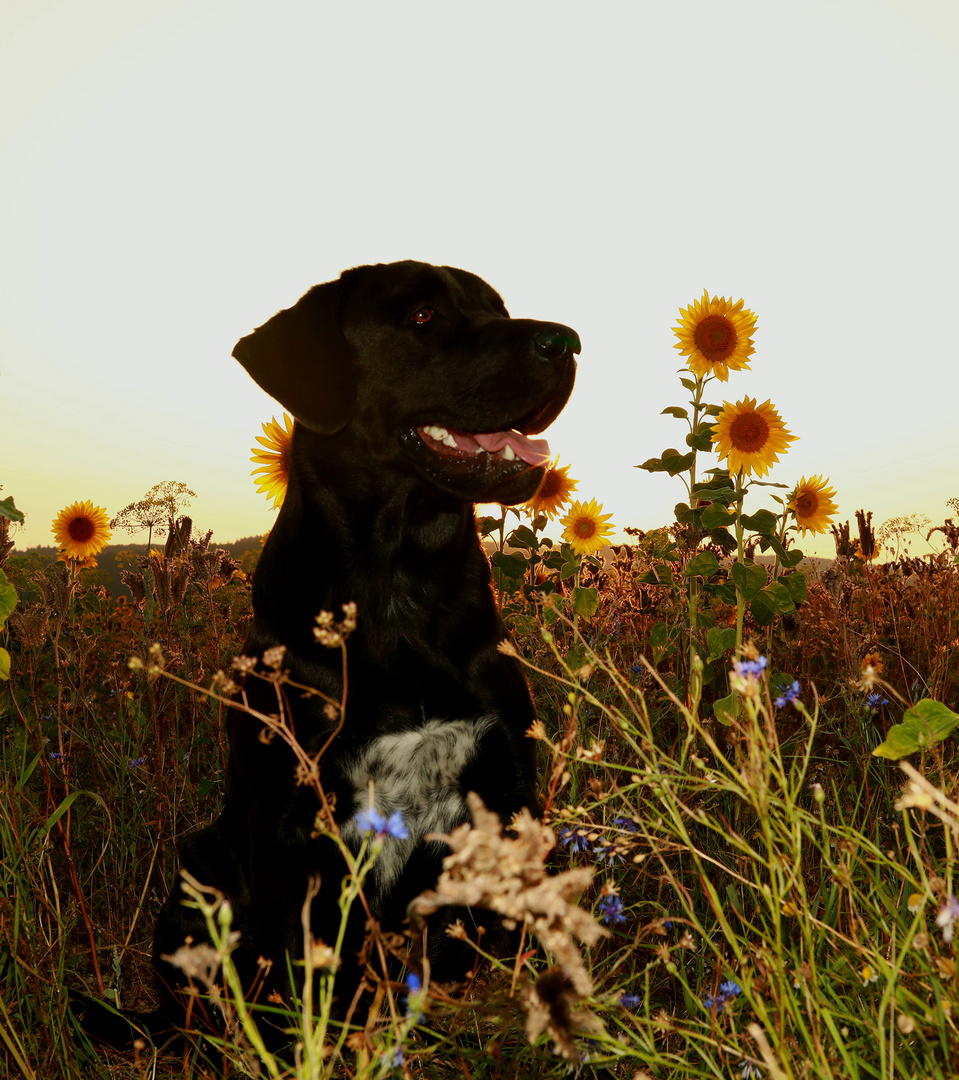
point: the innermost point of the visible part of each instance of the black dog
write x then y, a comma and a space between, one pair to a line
413, 392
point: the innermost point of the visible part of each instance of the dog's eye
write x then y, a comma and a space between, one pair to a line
421, 315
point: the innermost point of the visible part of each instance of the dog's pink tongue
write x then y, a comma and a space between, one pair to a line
532, 451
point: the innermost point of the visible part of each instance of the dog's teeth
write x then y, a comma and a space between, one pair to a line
508, 452
436, 432
448, 440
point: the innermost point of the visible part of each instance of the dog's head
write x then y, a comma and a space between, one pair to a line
420, 368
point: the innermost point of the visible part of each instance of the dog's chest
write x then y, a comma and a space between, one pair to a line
418, 773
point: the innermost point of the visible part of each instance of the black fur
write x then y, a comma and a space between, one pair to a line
378, 514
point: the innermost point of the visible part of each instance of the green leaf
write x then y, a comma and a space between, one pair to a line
721, 494
925, 724
716, 516
796, 584
9, 511
523, 537
511, 566
8, 599
570, 569
689, 384
749, 577
488, 525
777, 598
685, 515
702, 565
661, 635
585, 601
776, 544
654, 464
675, 410
761, 613
792, 558
723, 539
700, 440
4, 664
763, 521
725, 709
661, 574
675, 463
719, 641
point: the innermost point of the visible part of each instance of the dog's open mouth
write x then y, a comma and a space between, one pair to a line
492, 466
507, 445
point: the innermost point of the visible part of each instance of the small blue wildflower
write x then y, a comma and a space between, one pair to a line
631, 1001
751, 667
728, 991
627, 824
371, 820
789, 694
415, 985
575, 839
608, 853
875, 701
395, 1060
748, 1070
668, 923
55, 755
611, 910
136, 762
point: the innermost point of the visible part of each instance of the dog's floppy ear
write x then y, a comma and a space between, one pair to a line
301, 359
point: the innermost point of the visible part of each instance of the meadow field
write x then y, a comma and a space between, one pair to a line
747, 861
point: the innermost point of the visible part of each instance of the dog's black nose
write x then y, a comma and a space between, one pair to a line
558, 343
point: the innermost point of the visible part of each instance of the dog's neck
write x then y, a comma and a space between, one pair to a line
381, 544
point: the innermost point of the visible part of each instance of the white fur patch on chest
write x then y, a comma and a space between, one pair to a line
418, 773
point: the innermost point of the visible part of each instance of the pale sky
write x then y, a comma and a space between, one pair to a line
172, 173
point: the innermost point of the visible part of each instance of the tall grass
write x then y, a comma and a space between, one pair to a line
775, 899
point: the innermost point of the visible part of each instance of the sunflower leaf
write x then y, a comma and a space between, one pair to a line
796, 585
778, 598
762, 614
700, 440
719, 641
716, 516
4, 665
925, 724
585, 601
674, 462
653, 464
8, 599
689, 384
763, 521
702, 565
749, 578
675, 410
9, 511
793, 557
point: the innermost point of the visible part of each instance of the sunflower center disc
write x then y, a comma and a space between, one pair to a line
806, 504
81, 530
715, 338
749, 433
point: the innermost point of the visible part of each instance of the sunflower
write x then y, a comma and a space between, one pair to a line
812, 504
554, 492
274, 461
714, 335
587, 529
750, 436
81, 530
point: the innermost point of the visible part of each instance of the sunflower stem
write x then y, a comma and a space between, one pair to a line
694, 580
740, 558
